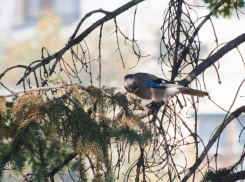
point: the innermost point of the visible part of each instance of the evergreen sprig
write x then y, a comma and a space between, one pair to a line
227, 8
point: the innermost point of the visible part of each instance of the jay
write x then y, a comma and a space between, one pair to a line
150, 87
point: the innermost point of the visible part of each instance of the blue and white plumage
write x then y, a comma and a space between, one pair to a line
150, 87
153, 84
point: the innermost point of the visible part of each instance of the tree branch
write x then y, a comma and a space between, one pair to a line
33, 89
175, 61
66, 161
232, 177
8, 69
73, 41
195, 33
212, 59
233, 115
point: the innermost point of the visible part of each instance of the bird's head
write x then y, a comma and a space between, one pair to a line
130, 84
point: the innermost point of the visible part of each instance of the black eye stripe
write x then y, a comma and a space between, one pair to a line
135, 87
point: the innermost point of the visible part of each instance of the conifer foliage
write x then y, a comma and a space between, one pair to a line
56, 126
60, 127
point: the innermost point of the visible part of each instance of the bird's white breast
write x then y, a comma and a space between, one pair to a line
160, 94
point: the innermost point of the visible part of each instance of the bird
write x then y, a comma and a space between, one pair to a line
150, 87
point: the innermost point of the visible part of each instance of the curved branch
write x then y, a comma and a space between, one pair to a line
212, 59
73, 41
8, 69
233, 115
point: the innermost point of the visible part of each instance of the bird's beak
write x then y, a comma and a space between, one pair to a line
130, 90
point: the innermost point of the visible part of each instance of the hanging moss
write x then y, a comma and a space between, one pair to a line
26, 109
212, 175
3, 110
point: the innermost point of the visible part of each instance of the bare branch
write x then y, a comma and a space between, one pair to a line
212, 59
175, 61
17, 66
81, 37
33, 89
233, 115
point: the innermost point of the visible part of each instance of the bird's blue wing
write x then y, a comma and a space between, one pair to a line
155, 85
152, 84
160, 83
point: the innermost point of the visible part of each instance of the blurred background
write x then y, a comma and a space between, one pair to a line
28, 25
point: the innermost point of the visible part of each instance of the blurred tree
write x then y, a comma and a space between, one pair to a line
227, 8
47, 33
59, 128
24, 51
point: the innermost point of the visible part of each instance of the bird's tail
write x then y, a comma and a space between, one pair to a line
194, 92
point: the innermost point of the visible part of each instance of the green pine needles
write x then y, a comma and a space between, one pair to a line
68, 129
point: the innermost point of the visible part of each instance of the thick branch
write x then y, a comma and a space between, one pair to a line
212, 59
232, 177
79, 38
58, 168
233, 115
153, 108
